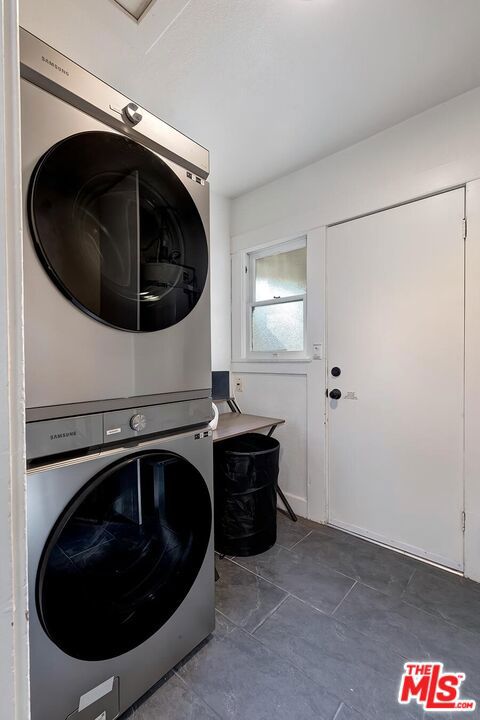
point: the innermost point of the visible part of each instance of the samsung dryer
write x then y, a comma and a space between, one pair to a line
116, 237
120, 555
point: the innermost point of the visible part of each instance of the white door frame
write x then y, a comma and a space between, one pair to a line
14, 672
472, 383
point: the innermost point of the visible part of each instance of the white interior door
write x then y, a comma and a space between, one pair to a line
395, 324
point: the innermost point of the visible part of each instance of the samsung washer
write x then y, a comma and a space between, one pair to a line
116, 237
121, 571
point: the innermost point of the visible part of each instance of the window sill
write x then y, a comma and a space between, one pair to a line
273, 360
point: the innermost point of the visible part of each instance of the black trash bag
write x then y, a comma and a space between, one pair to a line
246, 474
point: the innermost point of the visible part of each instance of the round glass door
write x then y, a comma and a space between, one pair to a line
118, 232
123, 555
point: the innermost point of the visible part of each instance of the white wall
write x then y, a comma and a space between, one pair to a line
13, 564
220, 280
472, 384
282, 396
437, 149
433, 151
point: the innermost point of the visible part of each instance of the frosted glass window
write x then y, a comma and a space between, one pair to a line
281, 275
277, 283
279, 327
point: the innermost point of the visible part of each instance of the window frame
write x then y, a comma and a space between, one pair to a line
251, 303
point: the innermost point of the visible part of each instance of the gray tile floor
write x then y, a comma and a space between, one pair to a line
318, 628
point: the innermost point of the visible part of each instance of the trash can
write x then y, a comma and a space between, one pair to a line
246, 474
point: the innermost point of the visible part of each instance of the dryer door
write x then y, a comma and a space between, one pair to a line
117, 231
123, 555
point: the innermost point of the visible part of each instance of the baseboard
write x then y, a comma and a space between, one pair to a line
397, 546
299, 505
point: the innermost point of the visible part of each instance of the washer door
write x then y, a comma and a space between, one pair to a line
123, 555
118, 232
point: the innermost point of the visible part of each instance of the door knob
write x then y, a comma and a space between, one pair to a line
335, 394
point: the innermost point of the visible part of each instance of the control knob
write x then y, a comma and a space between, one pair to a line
131, 115
138, 422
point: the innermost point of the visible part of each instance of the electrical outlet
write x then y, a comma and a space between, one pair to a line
238, 384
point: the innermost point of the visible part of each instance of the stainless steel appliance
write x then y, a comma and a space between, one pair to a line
121, 569
115, 247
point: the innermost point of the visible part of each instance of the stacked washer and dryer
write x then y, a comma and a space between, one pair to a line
117, 347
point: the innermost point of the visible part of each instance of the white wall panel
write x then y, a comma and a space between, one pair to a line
282, 396
472, 384
14, 677
220, 285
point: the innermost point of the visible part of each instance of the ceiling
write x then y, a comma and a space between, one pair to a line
272, 85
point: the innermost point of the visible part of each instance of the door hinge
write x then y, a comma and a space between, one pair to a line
463, 521
464, 228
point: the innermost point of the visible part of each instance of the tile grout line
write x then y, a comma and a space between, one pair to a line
347, 624
344, 597
439, 617
226, 618
367, 634
279, 587
278, 655
299, 541
422, 563
258, 575
197, 695
287, 661
275, 652
323, 565
269, 614
400, 597
291, 662
339, 710
298, 667
409, 580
